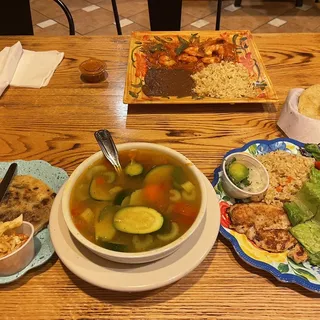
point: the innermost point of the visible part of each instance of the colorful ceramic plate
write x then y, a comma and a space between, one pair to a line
54, 177
284, 269
144, 44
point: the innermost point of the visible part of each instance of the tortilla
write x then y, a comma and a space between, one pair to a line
309, 102
28, 196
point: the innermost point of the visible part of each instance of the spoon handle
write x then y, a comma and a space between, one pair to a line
108, 148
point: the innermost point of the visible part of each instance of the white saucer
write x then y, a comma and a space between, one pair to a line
140, 277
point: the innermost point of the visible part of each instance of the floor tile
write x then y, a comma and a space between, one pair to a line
90, 8
52, 10
307, 20
124, 22
95, 1
37, 17
55, 30
277, 22
200, 23
244, 19
86, 22
111, 30
304, 7
187, 19
199, 8
142, 18
270, 8
126, 8
286, 28
232, 8
46, 23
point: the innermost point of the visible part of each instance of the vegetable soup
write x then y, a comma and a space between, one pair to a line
152, 203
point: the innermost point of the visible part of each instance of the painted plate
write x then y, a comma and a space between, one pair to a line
54, 177
144, 44
284, 269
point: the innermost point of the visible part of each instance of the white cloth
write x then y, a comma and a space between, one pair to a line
294, 124
24, 68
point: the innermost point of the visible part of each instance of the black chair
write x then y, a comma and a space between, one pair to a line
164, 19
299, 3
15, 17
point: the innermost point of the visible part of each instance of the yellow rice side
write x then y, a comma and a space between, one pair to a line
287, 173
224, 80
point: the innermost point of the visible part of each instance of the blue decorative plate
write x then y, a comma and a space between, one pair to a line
54, 177
284, 269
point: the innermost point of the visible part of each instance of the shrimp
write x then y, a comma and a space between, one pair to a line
209, 49
166, 61
186, 58
193, 51
209, 60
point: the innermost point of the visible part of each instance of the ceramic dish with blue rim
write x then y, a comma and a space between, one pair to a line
54, 177
278, 264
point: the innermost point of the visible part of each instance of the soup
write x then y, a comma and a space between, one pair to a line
152, 203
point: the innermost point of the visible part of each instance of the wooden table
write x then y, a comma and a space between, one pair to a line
56, 124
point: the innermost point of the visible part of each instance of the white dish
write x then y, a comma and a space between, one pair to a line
139, 277
134, 257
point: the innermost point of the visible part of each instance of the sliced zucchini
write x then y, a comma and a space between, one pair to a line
107, 210
121, 195
159, 174
104, 229
114, 191
175, 195
137, 198
133, 169
189, 196
114, 246
95, 170
188, 186
110, 176
142, 242
87, 215
99, 192
138, 220
172, 235
166, 227
178, 175
126, 201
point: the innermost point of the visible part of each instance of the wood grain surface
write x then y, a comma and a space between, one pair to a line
56, 124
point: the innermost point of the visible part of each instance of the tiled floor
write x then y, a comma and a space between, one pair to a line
95, 17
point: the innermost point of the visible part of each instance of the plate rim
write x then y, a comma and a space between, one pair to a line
285, 278
148, 287
127, 99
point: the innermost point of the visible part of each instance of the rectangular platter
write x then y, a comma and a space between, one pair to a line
143, 44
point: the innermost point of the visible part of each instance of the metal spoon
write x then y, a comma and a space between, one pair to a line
108, 148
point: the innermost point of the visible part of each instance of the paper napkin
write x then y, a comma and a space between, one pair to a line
24, 68
294, 124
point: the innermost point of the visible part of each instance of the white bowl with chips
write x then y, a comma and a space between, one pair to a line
20, 258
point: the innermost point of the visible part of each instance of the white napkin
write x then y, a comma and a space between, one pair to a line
24, 68
294, 124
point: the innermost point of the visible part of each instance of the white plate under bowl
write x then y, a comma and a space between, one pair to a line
139, 277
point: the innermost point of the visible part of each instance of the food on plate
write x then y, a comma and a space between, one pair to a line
287, 173
309, 102
152, 203
28, 196
224, 80
11, 241
266, 225
185, 65
287, 218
